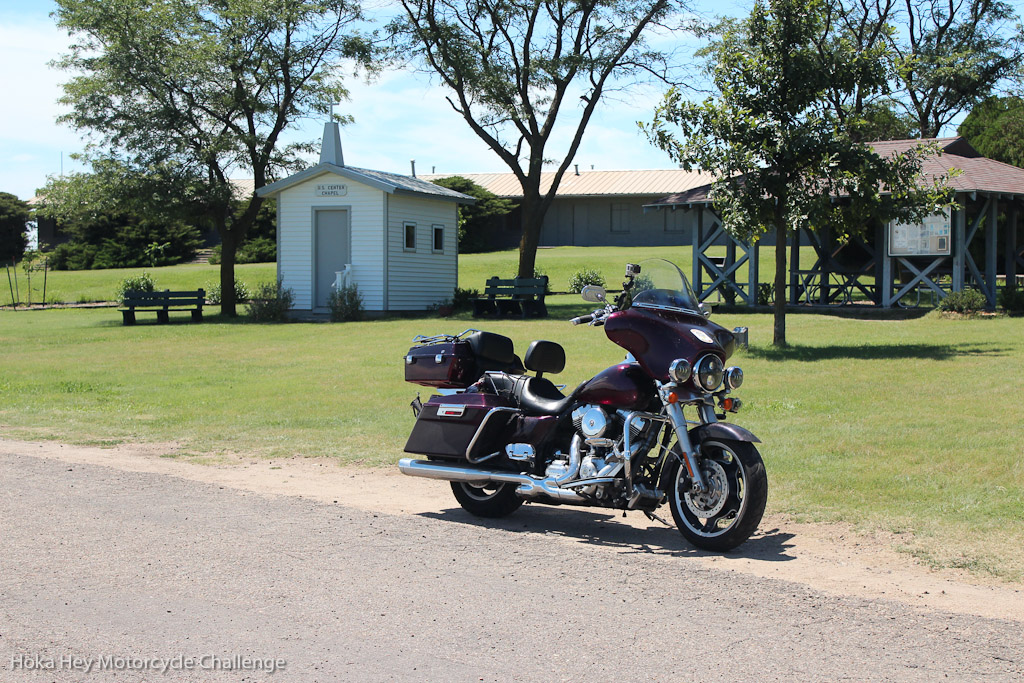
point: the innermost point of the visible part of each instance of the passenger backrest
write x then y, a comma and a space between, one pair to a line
545, 356
492, 351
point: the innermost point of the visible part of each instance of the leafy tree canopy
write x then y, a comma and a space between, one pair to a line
206, 88
14, 217
515, 68
996, 129
881, 121
950, 55
116, 218
779, 153
476, 220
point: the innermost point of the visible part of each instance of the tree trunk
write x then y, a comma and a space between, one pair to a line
779, 336
231, 237
531, 219
228, 247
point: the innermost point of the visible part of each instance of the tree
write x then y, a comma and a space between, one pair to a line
515, 68
857, 32
14, 217
880, 121
996, 129
952, 55
118, 218
202, 89
477, 219
781, 158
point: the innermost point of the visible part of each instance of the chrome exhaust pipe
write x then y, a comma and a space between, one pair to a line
530, 488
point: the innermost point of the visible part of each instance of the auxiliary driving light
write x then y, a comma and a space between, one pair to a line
679, 370
733, 378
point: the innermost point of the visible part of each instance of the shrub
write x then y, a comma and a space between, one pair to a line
139, 283
583, 277
965, 301
765, 294
462, 299
346, 304
213, 293
255, 250
1012, 301
270, 303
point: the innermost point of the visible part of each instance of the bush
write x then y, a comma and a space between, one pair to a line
1012, 301
256, 250
765, 294
583, 277
346, 304
213, 293
139, 283
462, 299
270, 303
966, 301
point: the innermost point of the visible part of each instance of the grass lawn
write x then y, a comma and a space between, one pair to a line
910, 426
558, 263
80, 286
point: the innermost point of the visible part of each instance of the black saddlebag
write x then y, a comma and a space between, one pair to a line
462, 427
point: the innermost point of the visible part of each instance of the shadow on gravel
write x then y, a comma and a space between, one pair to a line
603, 528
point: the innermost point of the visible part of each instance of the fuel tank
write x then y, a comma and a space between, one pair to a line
656, 338
625, 385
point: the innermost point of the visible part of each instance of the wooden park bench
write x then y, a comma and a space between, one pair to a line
523, 297
163, 303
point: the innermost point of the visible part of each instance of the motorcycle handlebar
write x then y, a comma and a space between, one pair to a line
583, 319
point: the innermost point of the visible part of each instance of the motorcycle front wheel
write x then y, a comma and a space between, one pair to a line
726, 514
488, 500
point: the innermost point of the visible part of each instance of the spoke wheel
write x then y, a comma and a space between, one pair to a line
487, 500
727, 513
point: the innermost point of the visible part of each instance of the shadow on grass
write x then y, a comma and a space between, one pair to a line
811, 354
601, 527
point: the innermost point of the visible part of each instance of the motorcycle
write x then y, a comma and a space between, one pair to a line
619, 440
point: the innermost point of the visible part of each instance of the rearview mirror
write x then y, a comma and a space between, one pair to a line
593, 293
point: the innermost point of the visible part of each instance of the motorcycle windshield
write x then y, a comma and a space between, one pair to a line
662, 286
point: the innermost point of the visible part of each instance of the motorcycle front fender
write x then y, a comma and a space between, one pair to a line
721, 430
705, 432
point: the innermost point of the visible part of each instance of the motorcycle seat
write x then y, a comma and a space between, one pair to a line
533, 395
538, 396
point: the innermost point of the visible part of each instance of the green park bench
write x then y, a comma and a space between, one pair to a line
162, 303
523, 297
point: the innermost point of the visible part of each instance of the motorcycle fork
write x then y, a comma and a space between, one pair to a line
678, 420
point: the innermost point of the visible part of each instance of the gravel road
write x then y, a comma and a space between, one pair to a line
142, 568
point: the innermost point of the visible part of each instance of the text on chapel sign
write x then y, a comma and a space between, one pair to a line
331, 190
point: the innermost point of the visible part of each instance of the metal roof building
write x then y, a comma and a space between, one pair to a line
597, 208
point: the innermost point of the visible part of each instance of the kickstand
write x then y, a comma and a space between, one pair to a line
651, 516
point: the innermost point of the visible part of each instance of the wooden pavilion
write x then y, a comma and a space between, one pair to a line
892, 264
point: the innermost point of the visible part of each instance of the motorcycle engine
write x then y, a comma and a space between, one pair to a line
601, 433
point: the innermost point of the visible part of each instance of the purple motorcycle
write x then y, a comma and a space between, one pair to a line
620, 440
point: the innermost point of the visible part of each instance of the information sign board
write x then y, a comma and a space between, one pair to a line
930, 238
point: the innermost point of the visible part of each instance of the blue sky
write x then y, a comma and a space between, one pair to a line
398, 117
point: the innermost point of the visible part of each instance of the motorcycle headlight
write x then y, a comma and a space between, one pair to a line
709, 372
679, 370
733, 378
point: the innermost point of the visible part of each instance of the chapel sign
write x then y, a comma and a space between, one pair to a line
331, 190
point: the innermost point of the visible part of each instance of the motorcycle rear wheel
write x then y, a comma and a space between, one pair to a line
490, 500
730, 511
